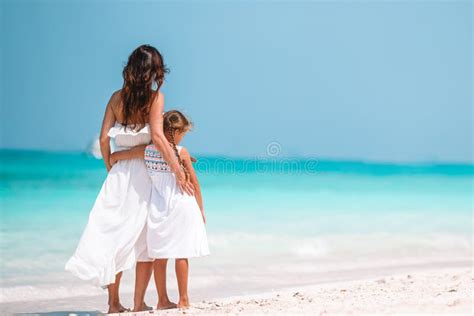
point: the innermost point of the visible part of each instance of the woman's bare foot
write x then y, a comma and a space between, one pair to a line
117, 308
166, 305
183, 302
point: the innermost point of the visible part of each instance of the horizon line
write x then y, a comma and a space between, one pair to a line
279, 157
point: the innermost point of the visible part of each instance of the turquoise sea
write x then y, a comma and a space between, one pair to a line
271, 222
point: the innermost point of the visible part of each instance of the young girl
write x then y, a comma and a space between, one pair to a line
175, 226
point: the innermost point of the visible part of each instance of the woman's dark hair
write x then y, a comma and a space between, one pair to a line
145, 67
175, 121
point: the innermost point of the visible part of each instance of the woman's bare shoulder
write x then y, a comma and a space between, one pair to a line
116, 95
116, 101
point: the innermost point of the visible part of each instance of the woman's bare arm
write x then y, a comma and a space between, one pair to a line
107, 123
161, 143
186, 158
137, 152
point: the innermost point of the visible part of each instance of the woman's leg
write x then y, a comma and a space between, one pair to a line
159, 271
182, 268
142, 278
114, 299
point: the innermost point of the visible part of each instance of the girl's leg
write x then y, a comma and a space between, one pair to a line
114, 299
159, 271
142, 278
182, 268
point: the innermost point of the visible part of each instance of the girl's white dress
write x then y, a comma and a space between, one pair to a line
115, 236
175, 226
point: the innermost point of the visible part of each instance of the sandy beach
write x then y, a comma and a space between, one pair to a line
439, 291
434, 291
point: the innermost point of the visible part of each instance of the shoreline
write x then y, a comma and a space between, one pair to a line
428, 290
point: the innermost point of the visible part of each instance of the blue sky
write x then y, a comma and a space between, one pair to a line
364, 80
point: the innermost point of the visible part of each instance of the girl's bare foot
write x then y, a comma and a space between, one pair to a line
165, 304
183, 302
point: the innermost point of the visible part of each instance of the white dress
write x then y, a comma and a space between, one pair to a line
175, 228
115, 236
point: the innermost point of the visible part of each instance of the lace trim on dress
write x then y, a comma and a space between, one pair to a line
154, 162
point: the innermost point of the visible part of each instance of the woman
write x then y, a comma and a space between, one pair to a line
115, 237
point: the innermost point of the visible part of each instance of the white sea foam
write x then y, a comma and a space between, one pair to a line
313, 249
340, 246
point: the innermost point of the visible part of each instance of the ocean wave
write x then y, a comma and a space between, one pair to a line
340, 246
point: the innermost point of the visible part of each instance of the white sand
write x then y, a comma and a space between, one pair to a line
446, 291
427, 291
